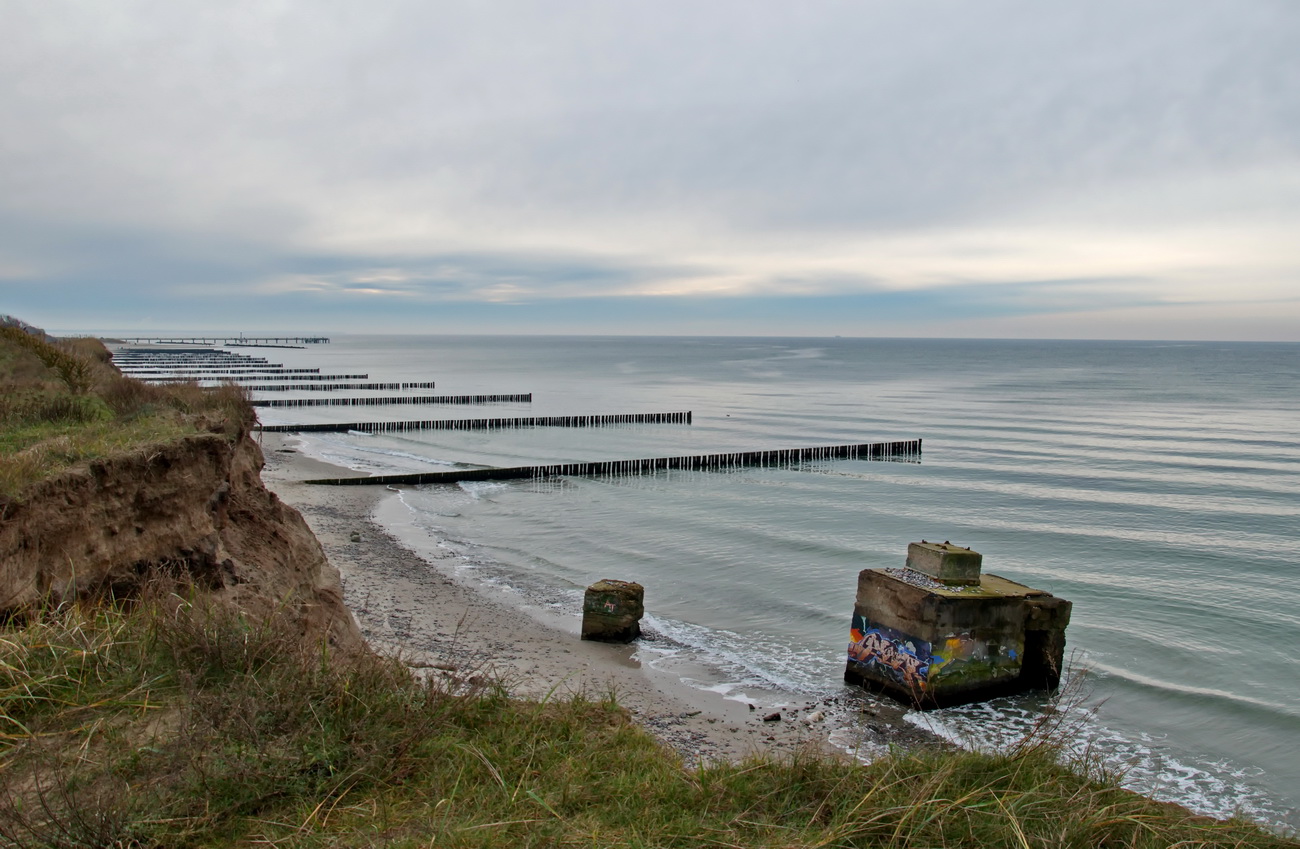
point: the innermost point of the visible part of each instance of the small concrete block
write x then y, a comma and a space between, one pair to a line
947, 563
612, 611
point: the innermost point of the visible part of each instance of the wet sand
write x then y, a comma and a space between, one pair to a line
411, 606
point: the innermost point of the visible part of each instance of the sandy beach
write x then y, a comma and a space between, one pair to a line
411, 606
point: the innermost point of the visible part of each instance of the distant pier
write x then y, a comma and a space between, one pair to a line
907, 451
486, 424
254, 341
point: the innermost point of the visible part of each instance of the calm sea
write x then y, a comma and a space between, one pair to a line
1155, 485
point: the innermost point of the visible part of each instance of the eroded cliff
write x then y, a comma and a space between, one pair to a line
194, 509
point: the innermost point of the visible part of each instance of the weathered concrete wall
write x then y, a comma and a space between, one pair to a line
1047, 617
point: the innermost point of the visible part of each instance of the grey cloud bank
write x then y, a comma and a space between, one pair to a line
1110, 170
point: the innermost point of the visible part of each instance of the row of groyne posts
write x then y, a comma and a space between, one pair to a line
169, 364
485, 424
787, 457
178, 365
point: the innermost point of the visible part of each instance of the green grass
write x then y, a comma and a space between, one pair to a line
172, 723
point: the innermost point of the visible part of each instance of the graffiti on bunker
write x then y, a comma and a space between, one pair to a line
884, 653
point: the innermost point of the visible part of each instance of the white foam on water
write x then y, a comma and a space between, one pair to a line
482, 489
394, 454
729, 690
327, 453
752, 660
1142, 762
345, 450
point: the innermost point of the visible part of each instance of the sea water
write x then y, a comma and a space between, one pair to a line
1155, 485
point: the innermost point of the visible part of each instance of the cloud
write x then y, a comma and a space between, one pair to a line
415, 154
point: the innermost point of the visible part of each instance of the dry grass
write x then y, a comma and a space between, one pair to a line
230, 733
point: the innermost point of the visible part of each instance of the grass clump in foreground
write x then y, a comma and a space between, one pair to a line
62, 403
171, 723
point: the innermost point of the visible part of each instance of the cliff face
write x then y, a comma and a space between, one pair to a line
194, 509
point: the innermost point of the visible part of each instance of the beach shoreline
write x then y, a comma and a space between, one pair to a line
410, 605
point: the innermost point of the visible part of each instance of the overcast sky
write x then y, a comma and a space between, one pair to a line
1007, 168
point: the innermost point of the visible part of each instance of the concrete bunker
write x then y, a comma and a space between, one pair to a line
612, 611
937, 632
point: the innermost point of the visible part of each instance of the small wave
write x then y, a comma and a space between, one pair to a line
745, 660
1132, 677
405, 455
347, 450
482, 489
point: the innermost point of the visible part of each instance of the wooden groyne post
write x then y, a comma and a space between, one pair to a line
908, 450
